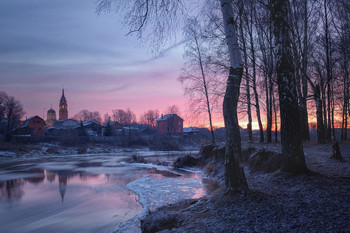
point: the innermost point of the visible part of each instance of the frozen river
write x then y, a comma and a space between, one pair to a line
94, 193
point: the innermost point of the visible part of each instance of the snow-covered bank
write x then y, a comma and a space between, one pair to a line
155, 192
277, 202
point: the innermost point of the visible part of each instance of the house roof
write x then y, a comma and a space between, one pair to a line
26, 122
111, 123
168, 116
191, 129
90, 121
60, 123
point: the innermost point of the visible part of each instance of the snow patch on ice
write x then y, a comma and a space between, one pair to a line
157, 192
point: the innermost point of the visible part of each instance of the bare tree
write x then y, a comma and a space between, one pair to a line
249, 20
119, 116
242, 34
196, 74
130, 117
292, 148
264, 30
173, 109
150, 118
106, 118
85, 115
13, 113
3, 98
342, 26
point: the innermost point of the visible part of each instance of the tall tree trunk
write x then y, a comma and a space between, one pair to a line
269, 119
333, 128
324, 106
306, 135
292, 148
245, 55
235, 180
328, 70
205, 90
344, 130
257, 105
319, 115
275, 111
249, 22
269, 86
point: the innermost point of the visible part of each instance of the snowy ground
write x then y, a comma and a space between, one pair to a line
277, 202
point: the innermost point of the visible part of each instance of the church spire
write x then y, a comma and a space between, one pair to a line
63, 107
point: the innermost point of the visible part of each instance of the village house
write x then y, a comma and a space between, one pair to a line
32, 126
115, 127
170, 124
92, 127
62, 127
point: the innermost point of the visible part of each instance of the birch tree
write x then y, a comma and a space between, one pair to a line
196, 74
292, 148
234, 174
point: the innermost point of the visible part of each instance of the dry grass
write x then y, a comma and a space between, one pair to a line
209, 168
210, 185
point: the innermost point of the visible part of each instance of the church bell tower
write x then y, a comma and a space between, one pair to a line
63, 107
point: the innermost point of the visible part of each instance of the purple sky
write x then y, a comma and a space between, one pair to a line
48, 44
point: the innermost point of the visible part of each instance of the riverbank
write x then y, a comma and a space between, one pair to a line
276, 202
56, 149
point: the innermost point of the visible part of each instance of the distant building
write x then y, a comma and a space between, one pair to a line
51, 118
170, 124
92, 127
63, 127
115, 126
32, 126
63, 107
191, 130
66, 124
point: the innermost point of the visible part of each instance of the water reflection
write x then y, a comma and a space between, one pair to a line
62, 195
11, 190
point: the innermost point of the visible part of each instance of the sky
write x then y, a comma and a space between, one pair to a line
47, 45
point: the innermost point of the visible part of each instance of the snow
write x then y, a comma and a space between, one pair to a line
157, 192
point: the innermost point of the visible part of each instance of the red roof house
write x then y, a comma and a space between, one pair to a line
170, 124
33, 125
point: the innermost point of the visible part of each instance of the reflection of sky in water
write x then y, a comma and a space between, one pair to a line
66, 202
47, 196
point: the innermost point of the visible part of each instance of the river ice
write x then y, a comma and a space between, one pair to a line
92, 193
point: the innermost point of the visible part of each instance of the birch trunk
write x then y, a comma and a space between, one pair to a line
292, 148
235, 180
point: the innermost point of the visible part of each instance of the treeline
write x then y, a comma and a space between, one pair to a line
125, 117
320, 49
